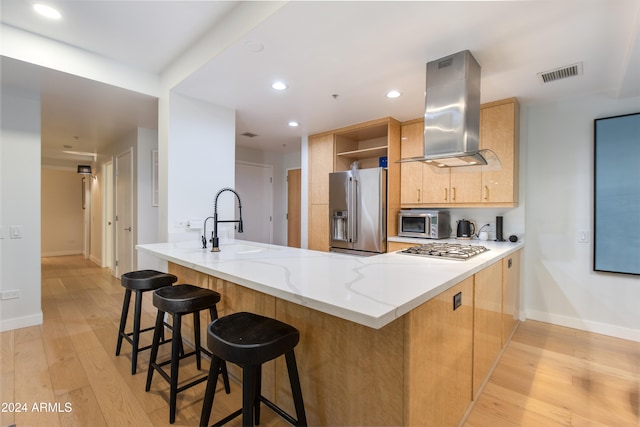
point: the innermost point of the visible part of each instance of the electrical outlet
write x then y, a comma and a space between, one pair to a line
10, 294
457, 300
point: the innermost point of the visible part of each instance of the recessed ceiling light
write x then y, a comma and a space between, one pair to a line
293, 124
279, 85
47, 11
393, 94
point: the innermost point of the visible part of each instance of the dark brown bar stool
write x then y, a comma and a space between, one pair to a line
139, 282
180, 300
249, 340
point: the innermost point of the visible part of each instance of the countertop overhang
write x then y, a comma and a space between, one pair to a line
372, 291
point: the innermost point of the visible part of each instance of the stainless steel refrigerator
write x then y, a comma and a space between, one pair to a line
357, 211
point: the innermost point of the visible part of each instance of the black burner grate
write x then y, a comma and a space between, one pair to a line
455, 251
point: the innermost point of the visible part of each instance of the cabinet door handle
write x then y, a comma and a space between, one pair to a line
418, 194
453, 194
486, 192
445, 194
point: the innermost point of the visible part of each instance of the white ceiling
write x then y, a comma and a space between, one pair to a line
355, 50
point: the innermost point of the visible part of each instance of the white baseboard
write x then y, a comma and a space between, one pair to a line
20, 322
96, 260
585, 325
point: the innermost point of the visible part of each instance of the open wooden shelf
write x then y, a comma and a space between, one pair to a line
364, 153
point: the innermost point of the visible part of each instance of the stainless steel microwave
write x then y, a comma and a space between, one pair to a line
426, 224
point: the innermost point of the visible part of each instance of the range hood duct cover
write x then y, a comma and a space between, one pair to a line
452, 114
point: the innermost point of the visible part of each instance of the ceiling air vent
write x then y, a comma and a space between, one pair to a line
560, 73
249, 134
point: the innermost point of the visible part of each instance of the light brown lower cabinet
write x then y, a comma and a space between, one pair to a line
487, 318
416, 371
510, 294
438, 354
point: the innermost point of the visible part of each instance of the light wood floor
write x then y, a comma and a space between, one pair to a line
548, 375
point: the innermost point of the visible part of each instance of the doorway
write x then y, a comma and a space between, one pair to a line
124, 213
254, 184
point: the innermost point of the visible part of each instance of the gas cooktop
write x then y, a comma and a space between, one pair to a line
454, 251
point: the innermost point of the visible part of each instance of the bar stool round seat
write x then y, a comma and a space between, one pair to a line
178, 301
249, 340
185, 299
139, 282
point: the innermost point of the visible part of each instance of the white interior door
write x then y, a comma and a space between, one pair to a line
124, 213
254, 184
108, 216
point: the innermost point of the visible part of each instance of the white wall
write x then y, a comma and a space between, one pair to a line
559, 284
20, 206
146, 214
200, 161
62, 214
281, 163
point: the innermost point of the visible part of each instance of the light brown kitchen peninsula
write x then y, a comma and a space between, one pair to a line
411, 364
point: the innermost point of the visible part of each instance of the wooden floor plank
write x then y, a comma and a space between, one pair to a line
116, 400
7, 417
33, 382
83, 409
7, 351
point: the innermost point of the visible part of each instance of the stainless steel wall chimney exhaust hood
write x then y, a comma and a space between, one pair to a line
452, 113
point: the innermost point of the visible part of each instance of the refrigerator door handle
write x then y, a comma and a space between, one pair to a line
349, 207
353, 226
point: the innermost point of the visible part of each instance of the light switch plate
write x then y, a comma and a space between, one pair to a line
15, 232
583, 236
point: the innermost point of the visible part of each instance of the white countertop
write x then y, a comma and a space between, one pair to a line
372, 291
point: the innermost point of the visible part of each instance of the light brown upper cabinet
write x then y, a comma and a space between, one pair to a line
422, 184
499, 131
427, 186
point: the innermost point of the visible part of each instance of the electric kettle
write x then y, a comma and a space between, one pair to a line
466, 229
